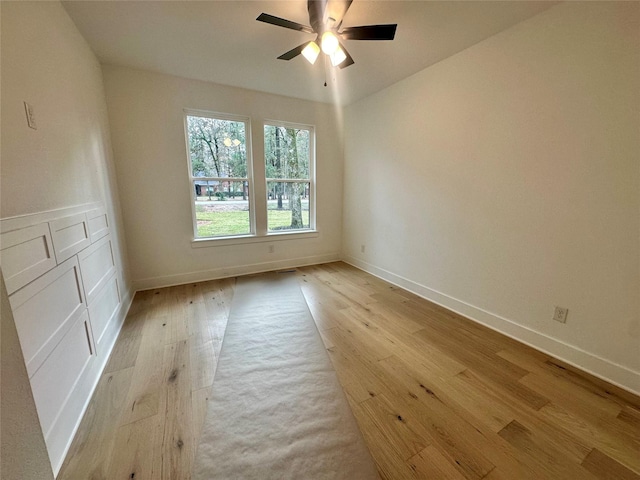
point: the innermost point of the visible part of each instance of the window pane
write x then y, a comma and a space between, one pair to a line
287, 205
222, 208
286, 152
216, 147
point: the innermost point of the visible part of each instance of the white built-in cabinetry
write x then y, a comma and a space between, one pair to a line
66, 296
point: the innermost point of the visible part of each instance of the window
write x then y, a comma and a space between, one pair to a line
220, 175
228, 201
288, 167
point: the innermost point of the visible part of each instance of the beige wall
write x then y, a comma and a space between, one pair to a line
505, 180
67, 161
147, 125
23, 453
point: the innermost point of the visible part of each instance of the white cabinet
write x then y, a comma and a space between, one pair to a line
97, 265
104, 308
70, 235
26, 254
64, 291
98, 223
53, 382
45, 309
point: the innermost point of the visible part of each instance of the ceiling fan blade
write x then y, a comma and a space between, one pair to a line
347, 61
316, 14
370, 32
294, 52
281, 22
337, 9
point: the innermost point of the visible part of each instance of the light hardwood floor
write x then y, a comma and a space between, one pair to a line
435, 395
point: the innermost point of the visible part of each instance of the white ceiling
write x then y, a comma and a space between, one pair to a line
221, 42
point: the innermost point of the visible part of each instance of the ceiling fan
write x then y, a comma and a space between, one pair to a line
325, 17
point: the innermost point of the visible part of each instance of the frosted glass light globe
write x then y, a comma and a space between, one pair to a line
329, 43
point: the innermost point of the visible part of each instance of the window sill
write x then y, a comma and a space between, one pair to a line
245, 239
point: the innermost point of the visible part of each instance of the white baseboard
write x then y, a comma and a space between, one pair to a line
593, 364
224, 272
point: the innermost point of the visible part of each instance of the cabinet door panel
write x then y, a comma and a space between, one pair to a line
97, 265
45, 309
104, 307
54, 381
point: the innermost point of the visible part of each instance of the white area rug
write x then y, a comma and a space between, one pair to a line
277, 410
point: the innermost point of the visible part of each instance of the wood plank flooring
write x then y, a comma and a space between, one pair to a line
436, 396
144, 420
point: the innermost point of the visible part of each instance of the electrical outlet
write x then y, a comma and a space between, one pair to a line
271, 249
560, 314
362, 248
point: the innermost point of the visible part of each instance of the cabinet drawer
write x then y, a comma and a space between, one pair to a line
26, 254
70, 235
98, 224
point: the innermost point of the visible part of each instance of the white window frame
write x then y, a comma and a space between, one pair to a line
311, 179
248, 179
257, 220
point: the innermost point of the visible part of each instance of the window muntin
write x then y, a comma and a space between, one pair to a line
289, 153
220, 175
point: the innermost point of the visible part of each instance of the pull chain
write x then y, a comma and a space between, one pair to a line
325, 70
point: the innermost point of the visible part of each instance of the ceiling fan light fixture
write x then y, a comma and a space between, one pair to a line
311, 52
329, 43
338, 57
325, 19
